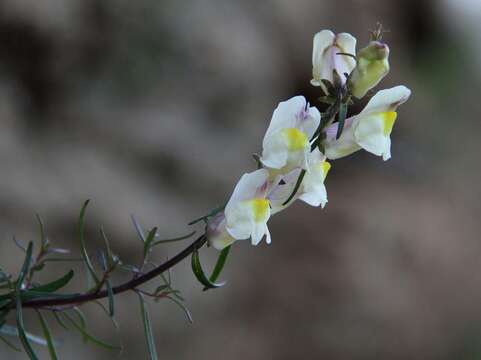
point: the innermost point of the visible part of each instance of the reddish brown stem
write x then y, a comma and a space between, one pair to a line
129, 285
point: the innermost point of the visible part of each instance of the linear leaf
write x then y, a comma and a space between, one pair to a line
149, 336
213, 212
183, 307
18, 291
43, 237
110, 256
10, 330
138, 228
48, 336
219, 265
82, 320
199, 273
85, 255
148, 241
158, 242
90, 337
56, 284
296, 187
59, 320
110, 293
342, 119
107, 312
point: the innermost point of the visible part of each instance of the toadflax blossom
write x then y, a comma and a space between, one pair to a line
286, 143
248, 209
312, 189
325, 58
370, 129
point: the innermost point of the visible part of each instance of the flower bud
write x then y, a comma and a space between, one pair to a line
372, 65
326, 57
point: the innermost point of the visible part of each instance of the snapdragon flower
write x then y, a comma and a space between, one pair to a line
370, 129
312, 189
325, 57
286, 143
248, 209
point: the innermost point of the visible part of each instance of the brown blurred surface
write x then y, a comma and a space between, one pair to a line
153, 108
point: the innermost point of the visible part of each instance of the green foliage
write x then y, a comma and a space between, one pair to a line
23, 293
149, 335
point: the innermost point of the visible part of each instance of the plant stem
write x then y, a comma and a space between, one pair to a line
129, 285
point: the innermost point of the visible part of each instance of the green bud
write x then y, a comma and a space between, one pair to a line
372, 65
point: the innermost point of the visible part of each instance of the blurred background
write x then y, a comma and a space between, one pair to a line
153, 108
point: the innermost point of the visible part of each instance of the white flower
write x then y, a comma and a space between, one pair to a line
325, 58
248, 210
312, 189
286, 143
371, 128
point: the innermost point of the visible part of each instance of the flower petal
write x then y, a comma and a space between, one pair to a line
345, 145
322, 40
387, 100
285, 115
372, 132
247, 187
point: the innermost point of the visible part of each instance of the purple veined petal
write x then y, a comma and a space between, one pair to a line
331, 131
387, 100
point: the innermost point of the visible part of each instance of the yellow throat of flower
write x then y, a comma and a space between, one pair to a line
388, 117
260, 208
296, 139
325, 168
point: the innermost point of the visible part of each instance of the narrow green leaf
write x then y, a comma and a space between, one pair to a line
13, 331
48, 336
43, 237
148, 241
111, 298
296, 187
138, 228
107, 312
158, 242
149, 335
19, 244
90, 337
342, 119
59, 320
20, 324
56, 284
82, 320
110, 256
213, 212
161, 288
21, 331
85, 255
219, 265
183, 307
199, 273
